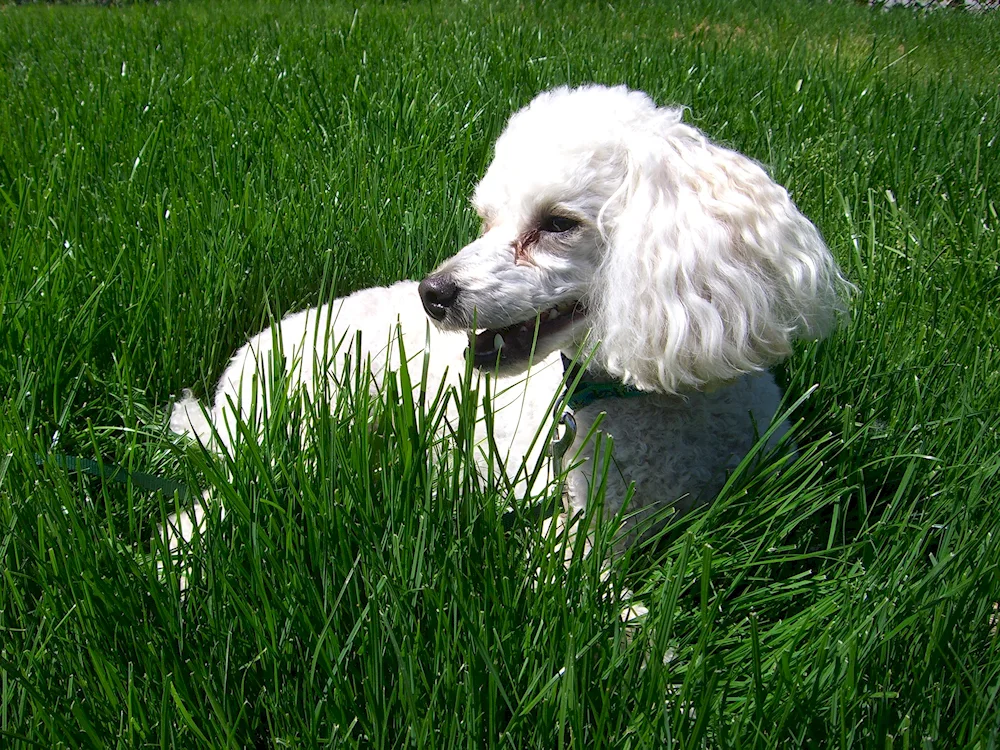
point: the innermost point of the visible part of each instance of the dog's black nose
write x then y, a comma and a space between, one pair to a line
438, 293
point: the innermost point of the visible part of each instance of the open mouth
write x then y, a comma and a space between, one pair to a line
515, 343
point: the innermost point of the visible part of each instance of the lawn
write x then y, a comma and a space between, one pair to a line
174, 176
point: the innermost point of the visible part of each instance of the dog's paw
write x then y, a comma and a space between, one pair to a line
177, 535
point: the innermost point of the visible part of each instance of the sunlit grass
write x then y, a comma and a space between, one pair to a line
174, 176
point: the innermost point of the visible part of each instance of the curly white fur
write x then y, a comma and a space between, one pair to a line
311, 348
613, 232
695, 267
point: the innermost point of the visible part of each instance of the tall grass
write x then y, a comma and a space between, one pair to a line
174, 176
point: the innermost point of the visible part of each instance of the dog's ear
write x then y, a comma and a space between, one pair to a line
711, 270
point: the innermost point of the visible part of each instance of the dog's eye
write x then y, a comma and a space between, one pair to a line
558, 224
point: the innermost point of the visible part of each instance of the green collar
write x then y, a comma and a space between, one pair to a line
587, 391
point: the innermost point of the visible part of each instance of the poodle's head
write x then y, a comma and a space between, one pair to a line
611, 227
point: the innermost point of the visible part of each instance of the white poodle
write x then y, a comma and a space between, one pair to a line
672, 270
626, 239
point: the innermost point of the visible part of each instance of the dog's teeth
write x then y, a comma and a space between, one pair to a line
553, 313
498, 342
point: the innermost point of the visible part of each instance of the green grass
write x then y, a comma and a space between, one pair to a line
173, 175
